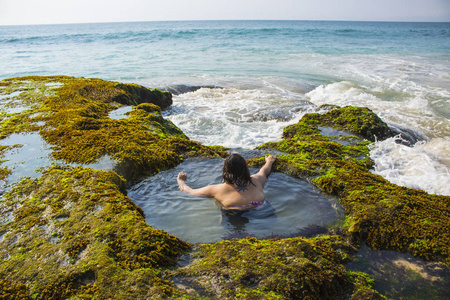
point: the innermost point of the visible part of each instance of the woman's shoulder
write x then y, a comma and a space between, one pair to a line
223, 187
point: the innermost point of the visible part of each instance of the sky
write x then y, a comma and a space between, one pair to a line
23, 12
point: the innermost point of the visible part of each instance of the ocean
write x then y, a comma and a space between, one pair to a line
239, 83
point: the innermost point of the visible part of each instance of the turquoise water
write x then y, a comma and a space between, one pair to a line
259, 76
131, 51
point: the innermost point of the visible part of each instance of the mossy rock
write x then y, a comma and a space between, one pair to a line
389, 217
4, 171
381, 214
74, 232
137, 94
76, 89
71, 114
295, 268
304, 143
357, 120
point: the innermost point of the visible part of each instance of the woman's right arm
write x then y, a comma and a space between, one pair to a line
207, 191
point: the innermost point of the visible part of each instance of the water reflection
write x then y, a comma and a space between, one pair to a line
120, 113
31, 154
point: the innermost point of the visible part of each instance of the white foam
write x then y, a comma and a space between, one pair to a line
247, 118
410, 110
421, 167
400, 101
234, 117
414, 82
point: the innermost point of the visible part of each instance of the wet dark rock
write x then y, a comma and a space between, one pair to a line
308, 231
182, 88
406, 136
137, 94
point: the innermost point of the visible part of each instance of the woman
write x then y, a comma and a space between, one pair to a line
239, 190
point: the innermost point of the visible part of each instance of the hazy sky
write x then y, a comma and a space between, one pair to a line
13, 12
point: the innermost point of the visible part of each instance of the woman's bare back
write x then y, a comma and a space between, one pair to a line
240, 197
234, 196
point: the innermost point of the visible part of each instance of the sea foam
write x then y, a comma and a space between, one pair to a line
235, 118
269, 69
423, 166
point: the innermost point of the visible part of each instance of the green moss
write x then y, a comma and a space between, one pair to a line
4, 172
357, 120
77, 89
305, 145
32, 96
387, 216
68, 285
381, 214
76, 246
73, 117
72, 233
296, 268
13, 290
29, 216
363, 287
18, 123
91, 240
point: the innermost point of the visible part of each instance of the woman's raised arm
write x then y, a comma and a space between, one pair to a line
264, 172
207, 191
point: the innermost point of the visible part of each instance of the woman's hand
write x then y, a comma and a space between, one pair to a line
181, 181
270, 159
182, 176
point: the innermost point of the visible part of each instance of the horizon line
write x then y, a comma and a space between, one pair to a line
221, 20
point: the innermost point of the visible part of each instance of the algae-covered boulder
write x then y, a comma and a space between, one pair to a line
73, 232
75, 89
360, 121
292, 268
379, 213
136, 94
72, 115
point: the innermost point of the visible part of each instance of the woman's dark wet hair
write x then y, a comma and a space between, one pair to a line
235, 170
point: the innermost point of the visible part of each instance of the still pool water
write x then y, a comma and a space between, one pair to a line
291, 205
30, 154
